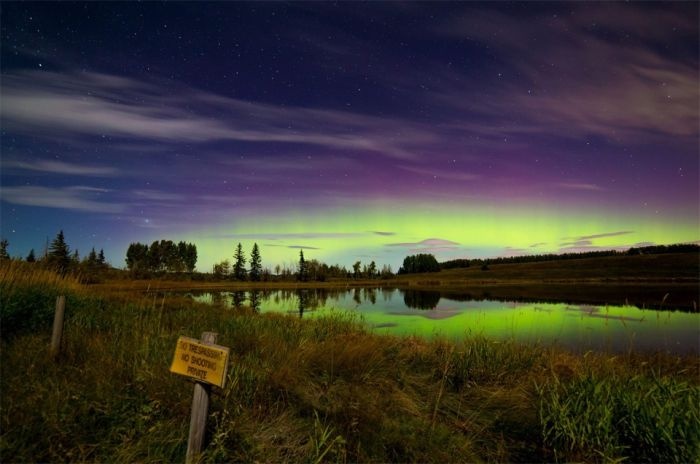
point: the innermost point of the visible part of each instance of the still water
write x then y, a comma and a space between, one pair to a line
429, 314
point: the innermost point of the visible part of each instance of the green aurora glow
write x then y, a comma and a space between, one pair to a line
344, 237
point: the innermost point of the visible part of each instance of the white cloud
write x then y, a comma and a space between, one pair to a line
582, 81
427, 243
60, 167
77, 198
52, 104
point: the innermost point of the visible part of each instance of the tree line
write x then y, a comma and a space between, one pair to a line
303, 270
161, 256
59, 257
654, 249
238, 271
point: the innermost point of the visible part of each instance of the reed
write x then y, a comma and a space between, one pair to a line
644, 418
326, 389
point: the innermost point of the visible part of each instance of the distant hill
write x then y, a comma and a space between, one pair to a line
648, 250
663, 280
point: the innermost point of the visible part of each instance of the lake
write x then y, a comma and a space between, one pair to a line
613, 328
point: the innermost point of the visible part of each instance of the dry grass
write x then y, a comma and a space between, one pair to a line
321, 390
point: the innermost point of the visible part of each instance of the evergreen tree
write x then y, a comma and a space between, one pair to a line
59, 254
30, 257
303, 274
92, 257
255, 264
239, 272
101, 257
3, 249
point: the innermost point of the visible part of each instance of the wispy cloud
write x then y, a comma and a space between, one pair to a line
303, 247
440, 174
431, 249
580, 186
287, 236
602, 235
538, 244
60, 167
98, 104
77, 198
428, 242
378, 232
512, 251
578, 243
158, 195
642, 90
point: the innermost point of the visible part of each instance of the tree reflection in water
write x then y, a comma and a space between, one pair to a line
255, 298
237, 299
302, 296
420, 299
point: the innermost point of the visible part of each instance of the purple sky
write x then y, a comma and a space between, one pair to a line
251, 121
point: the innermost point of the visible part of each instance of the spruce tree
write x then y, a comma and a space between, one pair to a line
3, 249
30, 257
239, 272
92, 257
59, 254
303, 268
255, 264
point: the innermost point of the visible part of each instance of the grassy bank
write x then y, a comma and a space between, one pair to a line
321, 390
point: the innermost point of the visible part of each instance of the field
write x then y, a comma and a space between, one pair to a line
321, 390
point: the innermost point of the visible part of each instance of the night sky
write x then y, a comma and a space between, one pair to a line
353, 131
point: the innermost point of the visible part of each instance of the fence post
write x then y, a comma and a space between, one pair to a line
57, 333
200, 410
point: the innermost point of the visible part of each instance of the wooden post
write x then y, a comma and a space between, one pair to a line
57, 333
200, 410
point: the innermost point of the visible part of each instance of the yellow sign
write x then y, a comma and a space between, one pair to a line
203, 362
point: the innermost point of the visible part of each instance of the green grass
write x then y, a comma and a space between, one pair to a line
320, 390
646, 419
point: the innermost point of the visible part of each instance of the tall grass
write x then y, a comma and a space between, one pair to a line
320, 390
28, 293
643, 418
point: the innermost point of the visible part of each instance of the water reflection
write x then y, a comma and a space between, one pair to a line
430, 313
421, 299
238, 298
302, 296
255, 296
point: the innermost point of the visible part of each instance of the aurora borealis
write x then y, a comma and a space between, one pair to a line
354, 131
